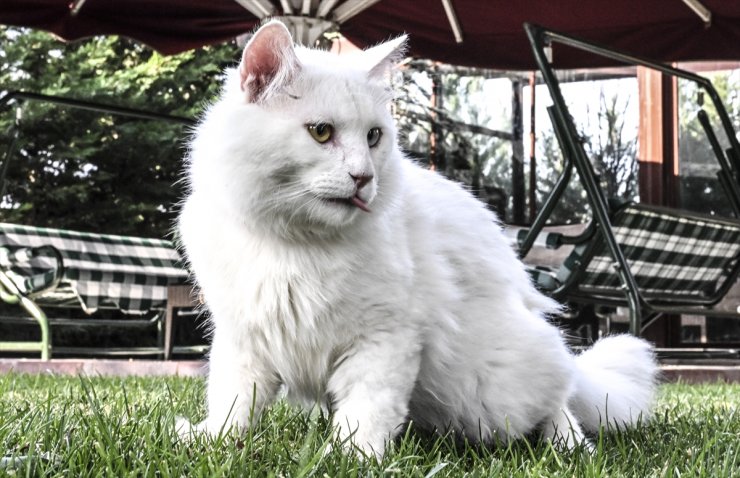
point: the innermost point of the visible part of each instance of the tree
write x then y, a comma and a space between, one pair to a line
99, 172
610, 146
479, 156
613, 150
469, 151
573, 205
700, 189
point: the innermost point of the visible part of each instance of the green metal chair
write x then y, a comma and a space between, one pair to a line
648, 259
681, 262
42, 268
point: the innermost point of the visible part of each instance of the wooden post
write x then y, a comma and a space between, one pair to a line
518, 188
658, 166
178, 296
658, 138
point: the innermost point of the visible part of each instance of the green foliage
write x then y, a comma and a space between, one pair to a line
98, 172
469, 150
474, 152
604, 112
71, 426
700, 188
93, 171
573, 207
612, 150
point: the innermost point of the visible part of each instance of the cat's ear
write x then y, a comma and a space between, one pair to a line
269, 62
381, 58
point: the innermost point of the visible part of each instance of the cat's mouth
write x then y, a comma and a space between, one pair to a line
354, 201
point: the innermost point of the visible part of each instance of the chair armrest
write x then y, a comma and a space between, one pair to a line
549, 240
32, 279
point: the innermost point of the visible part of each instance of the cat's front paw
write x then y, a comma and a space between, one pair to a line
349, 447
364, 442
184, 429
187, 431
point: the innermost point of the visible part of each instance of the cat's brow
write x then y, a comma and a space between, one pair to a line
290, 95
352, 93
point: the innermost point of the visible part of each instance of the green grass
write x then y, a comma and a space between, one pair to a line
67, 426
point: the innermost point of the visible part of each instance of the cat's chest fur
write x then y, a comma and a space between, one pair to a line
253, 282
300, 305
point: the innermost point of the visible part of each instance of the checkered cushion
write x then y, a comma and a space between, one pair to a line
100, 270
670, 255
17, 265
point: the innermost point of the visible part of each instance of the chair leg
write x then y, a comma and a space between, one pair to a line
178, 296
43, 322
10, 294
160, 332
168, 323
634, 302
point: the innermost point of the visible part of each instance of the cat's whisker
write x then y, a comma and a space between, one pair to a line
312, 204
282, 194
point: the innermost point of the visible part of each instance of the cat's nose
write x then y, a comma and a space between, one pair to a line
361, 180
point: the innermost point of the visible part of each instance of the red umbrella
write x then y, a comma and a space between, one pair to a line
483, 33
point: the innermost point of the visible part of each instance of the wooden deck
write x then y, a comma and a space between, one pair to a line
728, 371
106, 367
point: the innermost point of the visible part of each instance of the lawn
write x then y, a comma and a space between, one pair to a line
72, 426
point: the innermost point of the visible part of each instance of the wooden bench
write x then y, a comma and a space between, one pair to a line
178, 297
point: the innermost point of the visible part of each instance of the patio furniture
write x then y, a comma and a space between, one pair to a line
42, 268
651, 260
180, 298
681, 262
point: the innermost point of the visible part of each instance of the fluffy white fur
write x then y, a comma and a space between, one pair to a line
418, 310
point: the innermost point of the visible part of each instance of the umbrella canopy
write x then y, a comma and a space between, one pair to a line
463, 32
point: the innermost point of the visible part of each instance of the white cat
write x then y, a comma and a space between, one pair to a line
337, 269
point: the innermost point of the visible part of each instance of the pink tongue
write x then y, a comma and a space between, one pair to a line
359, 203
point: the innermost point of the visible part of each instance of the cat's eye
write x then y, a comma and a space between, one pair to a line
321, 132
373, 137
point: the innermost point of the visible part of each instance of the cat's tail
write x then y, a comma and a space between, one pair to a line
615, 383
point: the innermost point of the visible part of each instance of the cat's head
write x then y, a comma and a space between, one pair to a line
302, 140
